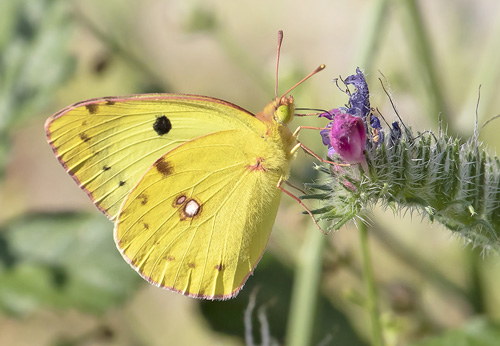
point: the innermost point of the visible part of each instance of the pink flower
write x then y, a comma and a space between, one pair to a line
348, 138
346, 134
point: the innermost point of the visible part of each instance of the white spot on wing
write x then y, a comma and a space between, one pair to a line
191, 208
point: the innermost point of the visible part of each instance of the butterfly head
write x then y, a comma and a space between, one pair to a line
279, 111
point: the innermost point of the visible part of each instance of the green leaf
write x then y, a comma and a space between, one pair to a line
62, 260
35, 61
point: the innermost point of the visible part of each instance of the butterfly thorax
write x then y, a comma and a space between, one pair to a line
276, 115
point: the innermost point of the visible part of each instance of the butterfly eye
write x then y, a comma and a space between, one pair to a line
284, 113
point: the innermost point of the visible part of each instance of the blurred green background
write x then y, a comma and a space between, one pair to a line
62, 281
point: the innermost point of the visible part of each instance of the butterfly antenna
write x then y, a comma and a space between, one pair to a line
318, 69
280, 40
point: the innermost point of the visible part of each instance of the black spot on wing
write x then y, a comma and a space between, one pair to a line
162, 125
106, 168
110, 102
121, 183
84, 137
92, 108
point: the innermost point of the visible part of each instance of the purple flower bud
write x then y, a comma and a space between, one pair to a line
377, 134
348, 138
395, 133
325, 135
360, 99
375, 122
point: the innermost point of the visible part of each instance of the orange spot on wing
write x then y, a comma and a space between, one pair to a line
92, 108
164, 167
143, 198
258, 166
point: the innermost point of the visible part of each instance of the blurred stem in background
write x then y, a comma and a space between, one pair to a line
423, 59
302, 316
487, 73
371, 303
120, 50
408, 256
475, 282
203, 19
371, 35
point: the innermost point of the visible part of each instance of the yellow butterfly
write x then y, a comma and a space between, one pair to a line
193, 183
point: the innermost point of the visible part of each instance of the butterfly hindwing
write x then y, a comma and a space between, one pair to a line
199, 220
107, 144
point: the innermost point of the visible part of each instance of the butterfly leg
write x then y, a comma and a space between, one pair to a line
299, 128
316, 156
309, 151
295, 187
280, 182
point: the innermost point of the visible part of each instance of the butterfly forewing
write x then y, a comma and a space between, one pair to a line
107, 144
